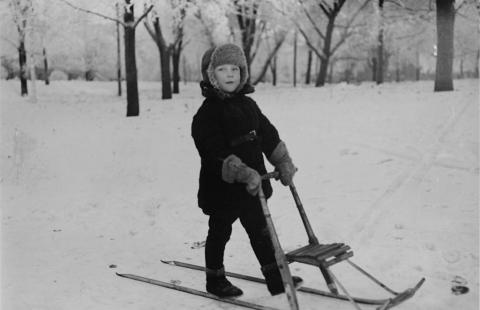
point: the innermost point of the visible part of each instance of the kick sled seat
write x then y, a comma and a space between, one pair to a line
323, 256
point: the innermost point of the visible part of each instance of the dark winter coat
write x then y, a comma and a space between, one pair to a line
216, 129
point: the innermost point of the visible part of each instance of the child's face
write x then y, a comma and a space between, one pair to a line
228, 77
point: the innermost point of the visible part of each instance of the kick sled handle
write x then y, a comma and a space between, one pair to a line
312, 239
271, 175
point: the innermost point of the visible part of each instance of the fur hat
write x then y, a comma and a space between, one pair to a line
221, 55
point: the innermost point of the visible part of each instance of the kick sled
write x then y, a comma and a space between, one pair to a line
323, 256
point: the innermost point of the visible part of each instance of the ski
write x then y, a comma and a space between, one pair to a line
367, 301
280, 258
192, 291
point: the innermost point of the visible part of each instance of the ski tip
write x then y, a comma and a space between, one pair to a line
419, 284
169, 262
123, 275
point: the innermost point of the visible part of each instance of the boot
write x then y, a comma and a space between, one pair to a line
274, 279
218, 285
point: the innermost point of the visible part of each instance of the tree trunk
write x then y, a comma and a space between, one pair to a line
380, 62
22, 57
374, 69
309, 66
133, 106
380, 43
386, 64
176, 69
45, 67
164, 51
186, 75
322, 74
477, 64
462, 74
348, 74
397, 71
445, 33
119, 62
165, 69
33, 79
330, 72
295, 60
273, 68
417, 66
177, 52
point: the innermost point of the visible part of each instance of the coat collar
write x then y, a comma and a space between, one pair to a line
209, 91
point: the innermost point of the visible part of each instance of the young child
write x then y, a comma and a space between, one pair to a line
231, 135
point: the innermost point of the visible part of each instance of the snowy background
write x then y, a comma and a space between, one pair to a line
391, 170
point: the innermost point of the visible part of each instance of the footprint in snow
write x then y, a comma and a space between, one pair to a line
459, 286
198, 245
451, 256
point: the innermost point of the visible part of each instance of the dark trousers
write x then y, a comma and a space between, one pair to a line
220, 228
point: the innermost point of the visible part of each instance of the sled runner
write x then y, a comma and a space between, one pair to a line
323, 256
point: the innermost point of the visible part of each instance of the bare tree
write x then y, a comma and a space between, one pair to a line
278, 38
273, 69
445, 13
254, 29
445, 33
180, 12
207, 31
7, 64
177, 48
129, 24
246, 13
295, 60
309, 67
154, 28
22, 11
45, 66
380, 49
169, 52
331, 12
213, 15
119, 62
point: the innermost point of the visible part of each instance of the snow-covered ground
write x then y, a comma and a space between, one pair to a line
392, 170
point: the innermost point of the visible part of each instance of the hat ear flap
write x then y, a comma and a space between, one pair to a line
206, 61
211, 76
243, 77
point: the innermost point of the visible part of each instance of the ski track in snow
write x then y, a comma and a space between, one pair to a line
391, 170
368, 222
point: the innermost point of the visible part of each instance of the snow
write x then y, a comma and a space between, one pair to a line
391, 170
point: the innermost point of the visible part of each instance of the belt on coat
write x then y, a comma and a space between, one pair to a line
251, 136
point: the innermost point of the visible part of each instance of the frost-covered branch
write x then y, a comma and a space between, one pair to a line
92, 12
312, 21
143, 15
10, 41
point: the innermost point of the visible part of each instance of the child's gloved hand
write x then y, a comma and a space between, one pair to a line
234, 170
282, 162
252, 179
287, 170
